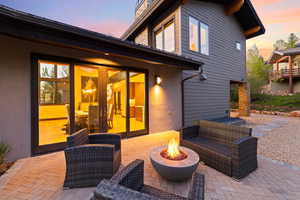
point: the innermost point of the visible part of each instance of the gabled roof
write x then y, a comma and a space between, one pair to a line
30, 27
246, 16
276, 55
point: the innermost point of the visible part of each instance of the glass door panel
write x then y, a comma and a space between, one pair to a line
116, 101
86, 91
54, 100
137, 101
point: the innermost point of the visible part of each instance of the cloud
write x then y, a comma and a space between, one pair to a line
260, 3
281, 16
109, 27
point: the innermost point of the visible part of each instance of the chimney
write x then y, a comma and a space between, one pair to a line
141, 6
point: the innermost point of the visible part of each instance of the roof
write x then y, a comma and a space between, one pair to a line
30, 27
246, 16
276, 55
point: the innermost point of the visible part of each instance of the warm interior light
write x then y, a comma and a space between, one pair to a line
173, 152
158, 80
89, 91
173, 149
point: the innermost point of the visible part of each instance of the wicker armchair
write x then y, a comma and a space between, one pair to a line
128, 183
229, 149
91, 158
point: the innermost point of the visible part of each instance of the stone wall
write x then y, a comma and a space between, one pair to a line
244, 99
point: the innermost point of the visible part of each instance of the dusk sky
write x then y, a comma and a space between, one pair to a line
280, 17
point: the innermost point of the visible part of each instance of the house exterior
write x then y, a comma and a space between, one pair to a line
213, 32
285, 74
57, 78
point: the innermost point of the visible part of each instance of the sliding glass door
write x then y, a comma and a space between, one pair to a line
69, 96
100, 99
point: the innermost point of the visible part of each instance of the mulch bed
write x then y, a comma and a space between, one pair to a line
4, 167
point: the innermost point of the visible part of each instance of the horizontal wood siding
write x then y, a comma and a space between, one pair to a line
210, 99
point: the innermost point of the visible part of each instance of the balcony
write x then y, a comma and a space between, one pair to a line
284, 74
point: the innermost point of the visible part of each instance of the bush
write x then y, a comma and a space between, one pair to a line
4, 149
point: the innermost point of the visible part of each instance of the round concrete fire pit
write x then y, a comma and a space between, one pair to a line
174, 170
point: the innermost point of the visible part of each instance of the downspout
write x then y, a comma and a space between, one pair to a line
182, 89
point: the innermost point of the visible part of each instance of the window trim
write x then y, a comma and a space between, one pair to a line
161, 28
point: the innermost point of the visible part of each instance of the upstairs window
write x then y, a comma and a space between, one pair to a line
194, 34
165, 37
204, 39
195, 26
159, 39
238, 46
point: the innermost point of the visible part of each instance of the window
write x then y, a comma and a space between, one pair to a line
159, 40
195, 38
54, 84
194, 34
238, 46
165, 37
204, 39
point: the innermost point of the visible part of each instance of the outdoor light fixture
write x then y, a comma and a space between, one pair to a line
158, 80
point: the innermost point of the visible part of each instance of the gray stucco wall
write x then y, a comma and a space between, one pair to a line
210, 99
15, 105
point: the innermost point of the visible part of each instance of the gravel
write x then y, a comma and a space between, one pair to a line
279, 137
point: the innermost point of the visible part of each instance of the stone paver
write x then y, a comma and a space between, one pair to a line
42, 177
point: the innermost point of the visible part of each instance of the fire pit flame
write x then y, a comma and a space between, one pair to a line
173, 149
173, 152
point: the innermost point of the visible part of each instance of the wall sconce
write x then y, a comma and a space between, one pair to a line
158, 80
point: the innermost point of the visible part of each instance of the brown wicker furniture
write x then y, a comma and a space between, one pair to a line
229, 149
91, 158
128, 183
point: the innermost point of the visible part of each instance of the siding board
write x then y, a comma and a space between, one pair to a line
210, 99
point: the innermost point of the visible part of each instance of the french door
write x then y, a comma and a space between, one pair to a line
69, 96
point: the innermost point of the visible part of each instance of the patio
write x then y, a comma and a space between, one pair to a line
42, 177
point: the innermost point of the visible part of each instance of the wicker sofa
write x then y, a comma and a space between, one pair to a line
128, 183
229, 149
91, 158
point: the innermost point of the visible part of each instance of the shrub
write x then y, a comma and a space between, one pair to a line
4, 149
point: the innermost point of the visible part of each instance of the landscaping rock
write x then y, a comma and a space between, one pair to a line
294, 114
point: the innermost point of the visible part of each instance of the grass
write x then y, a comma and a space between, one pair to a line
4, 149
275, 103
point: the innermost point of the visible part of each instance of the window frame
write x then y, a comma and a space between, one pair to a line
54, 80
161, 28
198, 35
200, 23
208, 49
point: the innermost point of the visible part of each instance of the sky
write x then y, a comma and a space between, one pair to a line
113, 17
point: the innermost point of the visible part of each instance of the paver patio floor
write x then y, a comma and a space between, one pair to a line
42, 177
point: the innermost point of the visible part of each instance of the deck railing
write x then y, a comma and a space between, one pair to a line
285, 73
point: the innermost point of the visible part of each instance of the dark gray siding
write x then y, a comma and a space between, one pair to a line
210, 99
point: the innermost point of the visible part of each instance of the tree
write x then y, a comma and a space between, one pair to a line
280, 45
292, 41
258, 70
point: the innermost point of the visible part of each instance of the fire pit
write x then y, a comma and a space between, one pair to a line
173, 162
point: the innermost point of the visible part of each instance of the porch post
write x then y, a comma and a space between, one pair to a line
291, 75
244, 99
